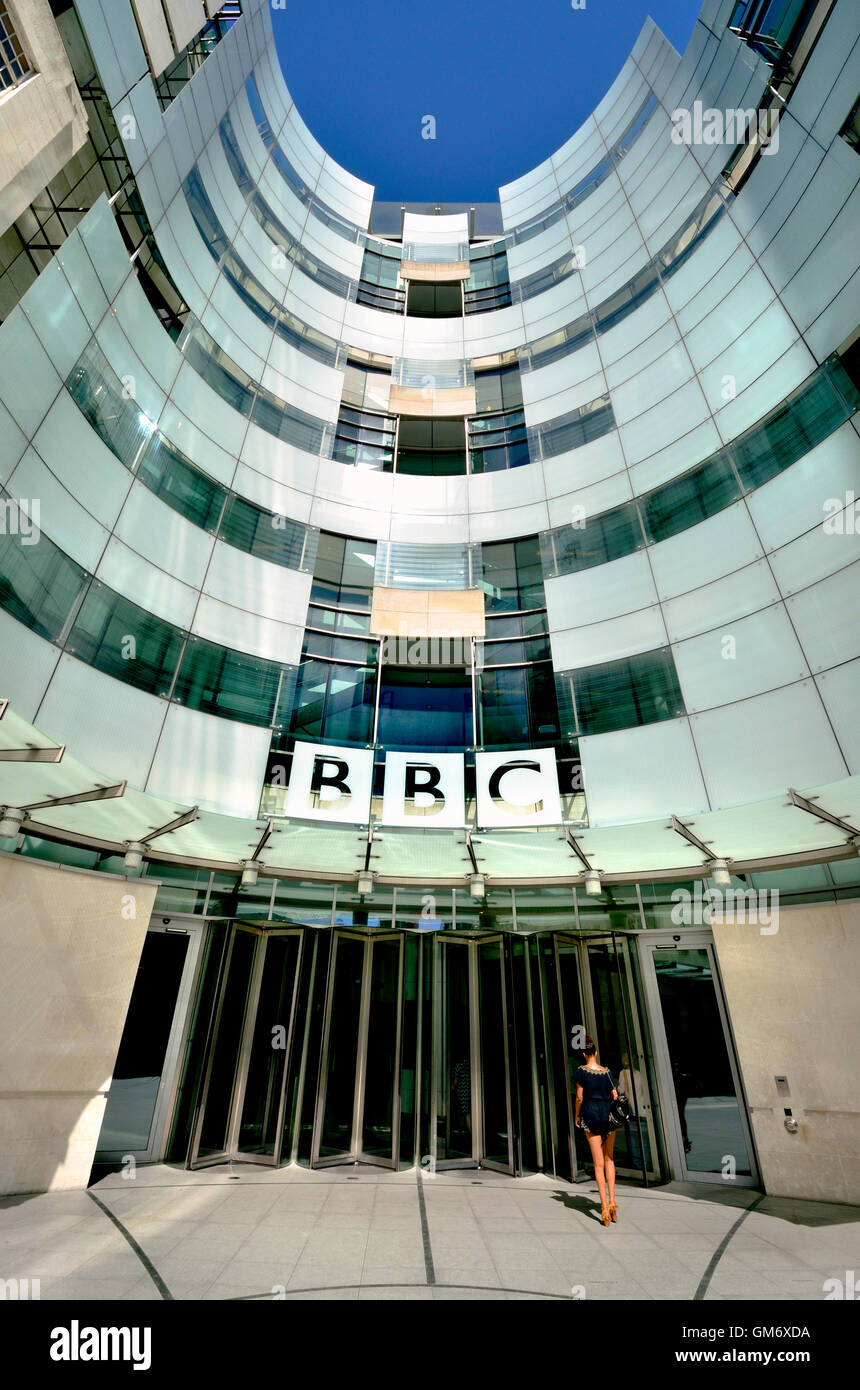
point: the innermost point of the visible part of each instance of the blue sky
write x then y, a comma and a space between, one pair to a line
506, 82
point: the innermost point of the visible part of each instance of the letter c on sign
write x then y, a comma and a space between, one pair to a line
495, 785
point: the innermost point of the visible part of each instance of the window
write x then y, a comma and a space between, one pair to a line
39, 585
513, 576
435, 300
320, 210
125, 641
517, 705
690, 499
274, 228
620, 694
432, 448
571, 431
270, 537
14, 64
772, 28
364, 439
425, 708
488, 285
249, 289
606, 536
167, 472
343, 574
333, 703
500, 390
380, 286
233, 684
498, 442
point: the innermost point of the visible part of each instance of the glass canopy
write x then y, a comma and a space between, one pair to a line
64, 800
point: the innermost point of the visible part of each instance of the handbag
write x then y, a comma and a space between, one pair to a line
619, 1111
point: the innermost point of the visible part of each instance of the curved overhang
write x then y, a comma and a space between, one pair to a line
68, 802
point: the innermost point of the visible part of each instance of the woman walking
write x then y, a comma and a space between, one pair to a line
594, 1095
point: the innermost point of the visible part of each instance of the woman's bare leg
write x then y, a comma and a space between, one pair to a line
595, 1143
609, 1163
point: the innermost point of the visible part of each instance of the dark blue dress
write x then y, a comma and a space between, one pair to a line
597, 1088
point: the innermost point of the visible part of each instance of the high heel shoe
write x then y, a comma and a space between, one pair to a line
604, 1215
613, 1212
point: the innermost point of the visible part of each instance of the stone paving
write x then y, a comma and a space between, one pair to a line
245, 1232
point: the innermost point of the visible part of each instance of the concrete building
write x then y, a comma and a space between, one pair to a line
430, 633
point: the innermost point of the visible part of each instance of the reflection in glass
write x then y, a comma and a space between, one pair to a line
381, 1057
613, 1020
704, 1087
454, 1137
137, 1073
258, 1130
336, 1137
497, 1142
218, 1100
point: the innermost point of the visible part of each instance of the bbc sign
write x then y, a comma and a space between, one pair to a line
518, 788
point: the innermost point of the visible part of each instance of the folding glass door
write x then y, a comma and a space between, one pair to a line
358, 1103
141, 1086
595, 978
240, 1111
471, 1120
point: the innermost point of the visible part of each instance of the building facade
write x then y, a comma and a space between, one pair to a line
428, 633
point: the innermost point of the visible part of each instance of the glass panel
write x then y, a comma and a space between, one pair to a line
572, 1018
497, 1141
272, 225
137, 1072
433, 565
305, 903
786, 434
215, 1128
113, 414
181, 889
271, 1038
708, 1107
39, 585
336, 1135
334, 703
173, 478
454, 1054
381, 1057
354, 909
571, 431
621, 694
232, 684
267, 535
425, 909
690, 499
117, 637
425, 708
344, 571
613, 1020
518, 704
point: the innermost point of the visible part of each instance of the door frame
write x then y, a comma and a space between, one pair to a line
230, 1153
633, 1037
649, 943
355, 1152
194, 929
471, 943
